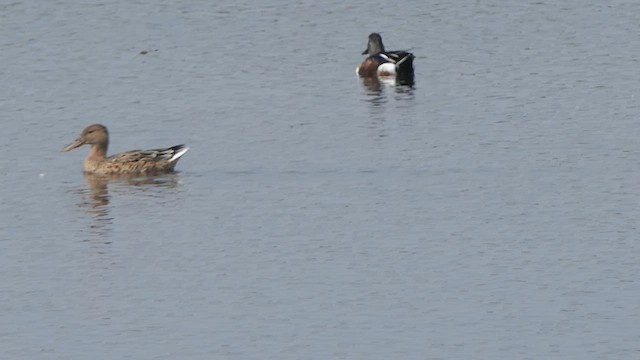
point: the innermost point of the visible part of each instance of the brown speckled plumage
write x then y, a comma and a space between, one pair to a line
135, 162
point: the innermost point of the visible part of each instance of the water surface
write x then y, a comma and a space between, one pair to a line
487, 212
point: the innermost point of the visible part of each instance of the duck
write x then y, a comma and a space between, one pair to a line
385, 63
134, 162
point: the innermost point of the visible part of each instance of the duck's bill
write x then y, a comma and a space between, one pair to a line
73, 145
366, 51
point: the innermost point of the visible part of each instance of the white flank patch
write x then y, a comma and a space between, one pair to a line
387, 69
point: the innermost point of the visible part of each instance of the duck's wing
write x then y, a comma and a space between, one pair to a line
170, 154
399, 56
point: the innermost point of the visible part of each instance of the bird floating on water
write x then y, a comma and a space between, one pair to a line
134, 162
385, 63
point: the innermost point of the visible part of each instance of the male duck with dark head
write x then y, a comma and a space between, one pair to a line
135, 162
385, 63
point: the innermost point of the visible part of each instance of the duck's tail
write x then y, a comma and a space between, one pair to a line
176, 152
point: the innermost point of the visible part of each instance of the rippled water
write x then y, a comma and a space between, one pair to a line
489, 211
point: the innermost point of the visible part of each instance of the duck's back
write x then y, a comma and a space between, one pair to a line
142, 162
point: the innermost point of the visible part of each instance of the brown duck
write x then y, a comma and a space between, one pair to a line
135, 162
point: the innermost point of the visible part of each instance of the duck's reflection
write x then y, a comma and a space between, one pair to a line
96, 197
372, 83
376, 85
382, 91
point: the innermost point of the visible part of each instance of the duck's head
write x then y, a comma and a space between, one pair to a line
374, 45
92, 134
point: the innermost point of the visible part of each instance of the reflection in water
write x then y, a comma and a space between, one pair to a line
375, 83
95, 198
376, 87
372, 83
379, 93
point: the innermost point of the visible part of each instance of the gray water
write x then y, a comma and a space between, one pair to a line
488, 212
